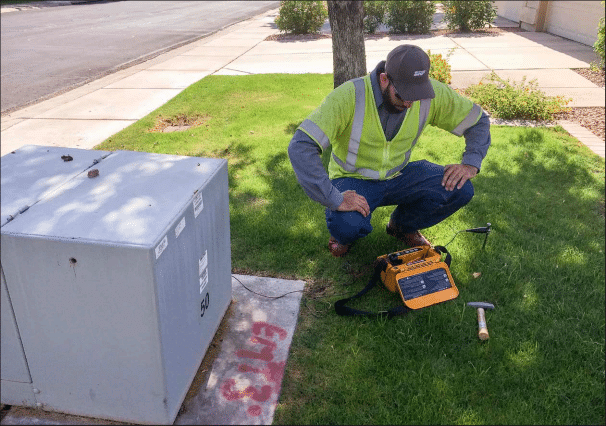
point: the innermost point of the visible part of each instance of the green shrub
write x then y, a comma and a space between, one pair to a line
515, 100
410, 16
374, 13
598, 46
440, 68
468, 15
301, 17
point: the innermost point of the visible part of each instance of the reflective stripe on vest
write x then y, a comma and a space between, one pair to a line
468, 121
356, 134
357, 125
316, 133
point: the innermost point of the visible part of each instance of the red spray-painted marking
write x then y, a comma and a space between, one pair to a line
266, 353
252, 392
269, 329
254, 410
273, 371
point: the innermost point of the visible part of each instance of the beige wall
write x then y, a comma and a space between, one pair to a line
509, 9
575, 20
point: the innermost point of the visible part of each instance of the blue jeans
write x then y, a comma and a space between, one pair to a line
417, 191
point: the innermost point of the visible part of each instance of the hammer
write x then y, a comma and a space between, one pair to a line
482, 330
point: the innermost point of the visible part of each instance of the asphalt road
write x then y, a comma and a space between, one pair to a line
50, 50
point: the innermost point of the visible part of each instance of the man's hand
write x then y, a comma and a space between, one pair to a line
352, 201
457, 175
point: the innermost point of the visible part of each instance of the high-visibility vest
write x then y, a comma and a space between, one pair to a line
348, 120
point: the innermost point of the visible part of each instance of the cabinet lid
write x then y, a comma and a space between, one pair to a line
130, 198
32, 173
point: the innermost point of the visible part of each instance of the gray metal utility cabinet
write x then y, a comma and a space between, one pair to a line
113, 284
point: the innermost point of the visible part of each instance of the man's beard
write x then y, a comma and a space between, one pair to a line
388, 104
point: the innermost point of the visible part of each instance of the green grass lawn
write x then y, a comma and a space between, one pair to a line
543, 268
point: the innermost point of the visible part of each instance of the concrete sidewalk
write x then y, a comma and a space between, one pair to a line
84, 117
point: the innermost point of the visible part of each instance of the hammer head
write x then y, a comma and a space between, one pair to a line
484, 305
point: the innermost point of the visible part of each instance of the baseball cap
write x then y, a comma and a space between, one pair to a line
407, 66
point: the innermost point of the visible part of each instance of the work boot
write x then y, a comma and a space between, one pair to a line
337, 249
411, 239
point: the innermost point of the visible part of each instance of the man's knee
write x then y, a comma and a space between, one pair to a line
347, 227
465, 194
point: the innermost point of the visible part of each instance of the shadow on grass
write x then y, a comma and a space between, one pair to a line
537, 195
543, 268
291, 128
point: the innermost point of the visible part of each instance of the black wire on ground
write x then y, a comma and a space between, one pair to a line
263, 295
346, 265
452, 239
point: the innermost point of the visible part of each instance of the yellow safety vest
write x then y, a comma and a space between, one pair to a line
348, 120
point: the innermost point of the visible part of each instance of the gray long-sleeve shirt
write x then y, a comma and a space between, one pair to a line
305, 154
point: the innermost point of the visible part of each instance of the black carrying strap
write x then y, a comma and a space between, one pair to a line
343, 310
380, 266
442, 250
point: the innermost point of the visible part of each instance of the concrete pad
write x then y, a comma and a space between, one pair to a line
113, 104
492, 40
160, 59
193, 63
246, 36
274, 47
204, 50
459, 59
259, 23
229, 71
579, 52
583, 97
548, 77
320, 63
233, 40
462, 60
590, 140
8, 122
147, 79
84, 134
258, 32
49, 104
464, 79
177, 51
244, 382
525, 58
547, 39
386, 44
373, 58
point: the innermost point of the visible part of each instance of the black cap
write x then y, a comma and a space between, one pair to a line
408, 68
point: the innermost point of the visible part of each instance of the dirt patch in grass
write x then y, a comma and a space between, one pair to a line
178, 123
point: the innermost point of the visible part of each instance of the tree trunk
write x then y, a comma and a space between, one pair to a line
347, 27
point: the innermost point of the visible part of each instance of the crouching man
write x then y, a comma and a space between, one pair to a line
373, 123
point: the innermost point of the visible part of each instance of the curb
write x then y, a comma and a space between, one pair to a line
584, 136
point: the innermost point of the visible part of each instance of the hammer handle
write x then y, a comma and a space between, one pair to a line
482, 330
